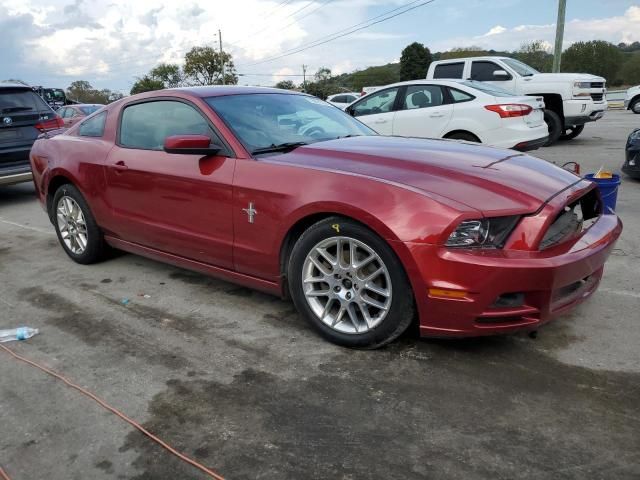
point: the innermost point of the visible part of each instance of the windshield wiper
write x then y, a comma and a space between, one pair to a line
349, 136
15, 109
281, 147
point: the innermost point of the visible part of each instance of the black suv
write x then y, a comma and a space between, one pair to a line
23, 116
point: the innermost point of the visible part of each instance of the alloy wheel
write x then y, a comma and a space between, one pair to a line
347, 285
72, 225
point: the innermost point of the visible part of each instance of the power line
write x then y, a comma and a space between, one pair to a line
348, 31
240, 42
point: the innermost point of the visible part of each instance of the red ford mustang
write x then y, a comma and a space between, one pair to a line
282, 192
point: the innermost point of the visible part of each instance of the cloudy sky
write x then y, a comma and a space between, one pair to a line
111, 42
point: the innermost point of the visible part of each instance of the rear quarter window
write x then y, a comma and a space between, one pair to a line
449, 70
94, 126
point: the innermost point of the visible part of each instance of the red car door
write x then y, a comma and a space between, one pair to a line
176, 203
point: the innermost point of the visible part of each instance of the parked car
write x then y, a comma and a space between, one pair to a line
342, 100
368, 90
360, 230
571, 99
23, 116
632, 99
74, 113
462, 110
632, 160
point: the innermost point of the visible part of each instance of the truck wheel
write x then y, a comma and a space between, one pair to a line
572, 132
554, 122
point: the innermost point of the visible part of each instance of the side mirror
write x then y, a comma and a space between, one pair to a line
190, 145
501, 74
349, 110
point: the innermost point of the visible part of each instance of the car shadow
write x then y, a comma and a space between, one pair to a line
17, 194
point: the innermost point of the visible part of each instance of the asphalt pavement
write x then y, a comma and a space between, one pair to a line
235, 379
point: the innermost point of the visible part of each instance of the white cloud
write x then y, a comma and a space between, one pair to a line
623, 28
498, 29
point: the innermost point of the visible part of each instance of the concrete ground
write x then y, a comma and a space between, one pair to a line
237, 380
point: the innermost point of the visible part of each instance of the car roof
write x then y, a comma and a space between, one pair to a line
14, 86
486, 57
223, 90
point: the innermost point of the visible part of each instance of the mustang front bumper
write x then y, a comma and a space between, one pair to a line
542, 283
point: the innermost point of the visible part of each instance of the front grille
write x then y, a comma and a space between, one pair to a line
597, 84
597, 97
573, 220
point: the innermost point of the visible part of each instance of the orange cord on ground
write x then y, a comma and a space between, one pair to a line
105, 405
4, 475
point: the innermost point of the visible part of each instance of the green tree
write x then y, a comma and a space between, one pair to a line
203, 66
285, 84
535, 54
597, 57
83, 92
630, 72
146, 84
414, 62
462, 52
169, 74
374, 76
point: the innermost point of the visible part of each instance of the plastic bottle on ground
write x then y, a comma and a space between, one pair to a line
21, 333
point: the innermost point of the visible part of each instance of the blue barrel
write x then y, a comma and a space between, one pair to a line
608, 191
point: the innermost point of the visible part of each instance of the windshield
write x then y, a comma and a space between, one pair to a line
264, 120
488, 88
521, 69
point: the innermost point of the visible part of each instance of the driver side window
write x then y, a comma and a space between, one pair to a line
379, 102
146, 125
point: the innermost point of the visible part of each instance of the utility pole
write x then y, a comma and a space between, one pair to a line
557, 53
221, 54
304, 77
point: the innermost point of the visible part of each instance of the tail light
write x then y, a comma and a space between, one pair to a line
508, 110
51, 124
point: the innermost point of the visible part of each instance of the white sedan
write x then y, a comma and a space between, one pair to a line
342, 100
463, 110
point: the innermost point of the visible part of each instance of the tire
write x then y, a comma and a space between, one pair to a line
343, 306
635, 106
77, 231
554, 122
572, 132
468, 137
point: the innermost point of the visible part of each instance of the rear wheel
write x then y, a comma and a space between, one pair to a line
348, 283
468, 137
572, 132
75, 226
635, 106
554, 123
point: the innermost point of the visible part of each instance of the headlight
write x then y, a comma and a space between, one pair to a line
582, 85
482, 233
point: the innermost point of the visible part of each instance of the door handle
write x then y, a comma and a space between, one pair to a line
120, 166
381, 121
436, 115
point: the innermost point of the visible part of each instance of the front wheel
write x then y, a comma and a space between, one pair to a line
635, 106
572, 132
349, 284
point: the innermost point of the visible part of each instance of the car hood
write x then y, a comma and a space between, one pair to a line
565, 77
491, 180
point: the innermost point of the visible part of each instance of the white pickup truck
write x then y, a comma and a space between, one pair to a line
571, 99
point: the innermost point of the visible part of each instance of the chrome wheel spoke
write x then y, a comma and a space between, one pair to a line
374, 303
347, 285
376, 289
